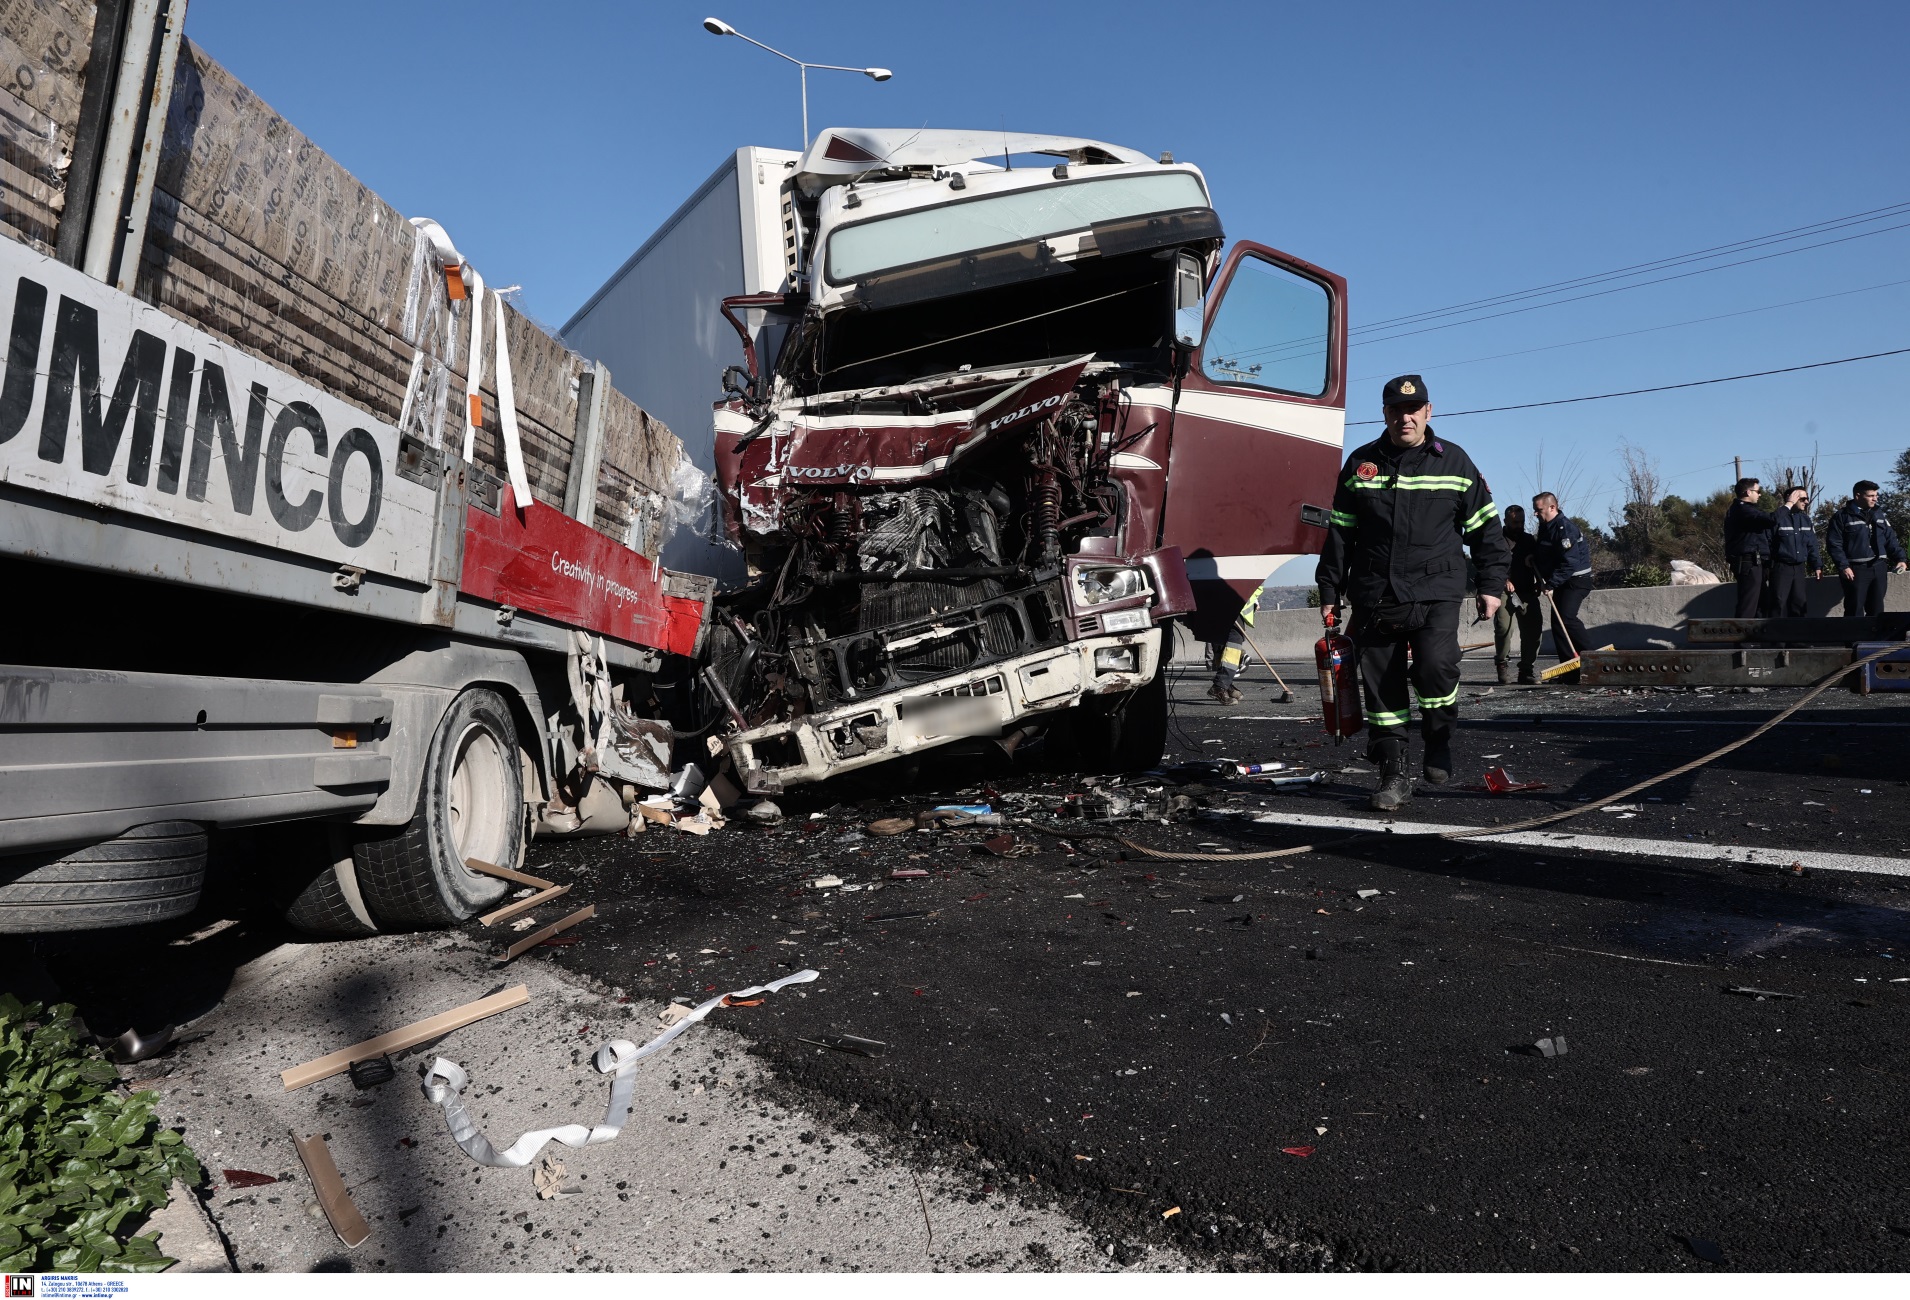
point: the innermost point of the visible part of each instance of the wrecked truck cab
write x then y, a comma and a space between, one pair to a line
944, 457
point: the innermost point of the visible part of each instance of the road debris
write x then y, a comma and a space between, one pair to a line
850, 1043
1708, 1251
1500, 781
530, 941
1302, 1152
445, 1080
1168, 1214
337, 1203
245, 1178
891, 826
371, 1073
1761, 994
548, 1179
397, 1040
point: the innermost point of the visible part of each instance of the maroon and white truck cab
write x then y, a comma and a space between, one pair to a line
948, 453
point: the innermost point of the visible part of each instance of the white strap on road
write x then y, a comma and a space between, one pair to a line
445, 1080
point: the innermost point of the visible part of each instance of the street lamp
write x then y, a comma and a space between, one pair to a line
717, 27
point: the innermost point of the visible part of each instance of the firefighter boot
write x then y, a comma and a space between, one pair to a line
1224, 690
1505, 671
1395, 787
1436, 765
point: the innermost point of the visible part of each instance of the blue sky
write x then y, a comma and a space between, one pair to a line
1431, 154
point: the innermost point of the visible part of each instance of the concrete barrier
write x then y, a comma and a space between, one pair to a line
1631, 618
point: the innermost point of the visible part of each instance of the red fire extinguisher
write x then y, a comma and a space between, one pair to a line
1339, 683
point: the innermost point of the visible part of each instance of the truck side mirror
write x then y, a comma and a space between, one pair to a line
1190, 301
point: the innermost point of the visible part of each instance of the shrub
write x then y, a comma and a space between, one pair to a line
78, 1159
1646, 575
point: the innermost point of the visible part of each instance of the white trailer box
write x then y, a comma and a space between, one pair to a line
658, 325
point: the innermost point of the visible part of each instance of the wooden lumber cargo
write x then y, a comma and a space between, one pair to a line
258, 236
44, 46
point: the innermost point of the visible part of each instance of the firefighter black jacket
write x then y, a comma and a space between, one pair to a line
1401, 519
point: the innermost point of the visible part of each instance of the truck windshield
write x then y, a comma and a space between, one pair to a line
931, 233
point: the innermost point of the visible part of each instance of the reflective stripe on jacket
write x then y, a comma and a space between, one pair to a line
1563, 553
1857, 536
1794, 541
1401, 522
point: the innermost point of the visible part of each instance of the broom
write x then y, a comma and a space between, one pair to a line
1286, 694
1571, 665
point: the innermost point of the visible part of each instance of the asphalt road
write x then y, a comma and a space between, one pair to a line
1256, 1063
1096, 1059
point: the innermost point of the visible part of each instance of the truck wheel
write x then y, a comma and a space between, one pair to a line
1121, 733
328, 904
470, 805
151, 873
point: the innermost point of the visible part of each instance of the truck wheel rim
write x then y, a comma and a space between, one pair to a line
480, 826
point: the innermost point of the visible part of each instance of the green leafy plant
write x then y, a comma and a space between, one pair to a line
78, 1159
1646, 575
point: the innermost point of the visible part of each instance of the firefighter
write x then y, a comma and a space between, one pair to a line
1794, 554
1564, 561
1747, 545
1521, 604
1407, 505
1864, 548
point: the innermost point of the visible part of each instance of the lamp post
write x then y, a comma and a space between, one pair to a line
717, 27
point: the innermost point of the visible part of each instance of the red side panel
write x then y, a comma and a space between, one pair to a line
544, 561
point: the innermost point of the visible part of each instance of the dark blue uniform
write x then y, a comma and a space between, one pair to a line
1861, 539
1747, 545
1564, 561
1794, 557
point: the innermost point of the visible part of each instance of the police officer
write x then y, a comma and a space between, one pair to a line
1564, 560
1864, 548
1521, 604
1747, 545
1794, 555
1407, 505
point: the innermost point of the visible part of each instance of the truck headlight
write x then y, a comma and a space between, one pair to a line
1099, 585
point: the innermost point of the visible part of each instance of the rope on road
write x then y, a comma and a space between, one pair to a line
1529, 824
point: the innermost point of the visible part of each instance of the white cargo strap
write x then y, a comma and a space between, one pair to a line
445, 1080
474, 361
507, 414
432, 236
430, 326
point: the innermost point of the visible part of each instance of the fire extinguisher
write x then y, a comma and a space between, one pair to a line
1339, 682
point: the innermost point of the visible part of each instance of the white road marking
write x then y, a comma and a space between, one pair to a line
1621, 845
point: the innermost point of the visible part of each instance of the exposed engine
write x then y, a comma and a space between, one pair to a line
862, 588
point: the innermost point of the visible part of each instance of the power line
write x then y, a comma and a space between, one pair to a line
1642, 284
1661, 388
1718, 250
1649, 329
1307, 347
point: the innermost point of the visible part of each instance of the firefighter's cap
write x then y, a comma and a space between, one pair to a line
1407, 390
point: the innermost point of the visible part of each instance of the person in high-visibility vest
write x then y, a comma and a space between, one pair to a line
1231, 661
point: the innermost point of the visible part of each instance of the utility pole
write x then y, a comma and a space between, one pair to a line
1737, 467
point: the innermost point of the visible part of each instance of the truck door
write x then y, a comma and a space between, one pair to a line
1258, 429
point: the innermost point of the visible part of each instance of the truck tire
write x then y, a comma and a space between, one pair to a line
470, 805
151, 873
1119, 733
328, 904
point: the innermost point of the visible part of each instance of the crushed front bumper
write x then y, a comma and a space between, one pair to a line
984, 702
